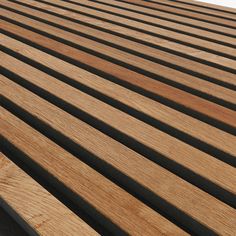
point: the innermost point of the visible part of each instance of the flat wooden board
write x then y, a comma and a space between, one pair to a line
123, 115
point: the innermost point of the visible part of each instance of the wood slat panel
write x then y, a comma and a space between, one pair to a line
213, 73
37, 207
105, 196
118, 117
120, 72
141, 36
24, 99
158, 70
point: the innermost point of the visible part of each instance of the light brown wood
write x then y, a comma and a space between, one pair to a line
142, 36
31, 103
122, 113
213, 73
156, 69
102, 194
43, 212
111, 68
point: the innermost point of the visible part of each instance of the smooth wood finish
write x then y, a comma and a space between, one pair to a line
122, 113
213, 73
37, 207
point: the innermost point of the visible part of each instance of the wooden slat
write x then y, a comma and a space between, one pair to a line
197, 8
105, 196
44, 111
201, 4
203, 55
120, 72
122, 113
201, 131
45, 214
148, 28
213, 73
198, 16
158, 70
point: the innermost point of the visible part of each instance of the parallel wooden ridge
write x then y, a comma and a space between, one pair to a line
117, 117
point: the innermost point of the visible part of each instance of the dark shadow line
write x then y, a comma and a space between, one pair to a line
164, 49
130, 142
136, 53
159, 204
17, 220
145, 31
67, 197
179, 14
168, 19
190, 10
206, 7
209, 97
211, 121
176, 30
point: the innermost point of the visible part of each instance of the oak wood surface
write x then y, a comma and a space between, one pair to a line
37, 207
122, 113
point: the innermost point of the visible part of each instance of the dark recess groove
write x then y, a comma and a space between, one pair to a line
209, 97
144, 31
71, 200
146, 196
190, 10
76, 84
179, 14
136, 53
119, 136
164, 49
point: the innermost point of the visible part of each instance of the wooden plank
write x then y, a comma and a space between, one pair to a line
38, 208
201, 5
199, 54
201, 131
92, 140
187, 13
198, 9
102, 194
160, 32
143, 37
146, 65
214, 74
124, 74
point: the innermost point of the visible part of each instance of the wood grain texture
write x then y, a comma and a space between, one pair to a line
118, 117
24, 100
37, 207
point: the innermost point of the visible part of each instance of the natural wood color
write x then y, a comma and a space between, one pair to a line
198, 16
95, 141
142, 36
158, 70
213, 73
121, 72
102, 194
43, 212
101, 111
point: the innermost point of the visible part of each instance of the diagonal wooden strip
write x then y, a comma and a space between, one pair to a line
172, 26
157, 69
201, 131
43, 212
213, 73
198, 9
201, 5
173, 36
187, 13
131, 77
144, 37
104, 147
102, 194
